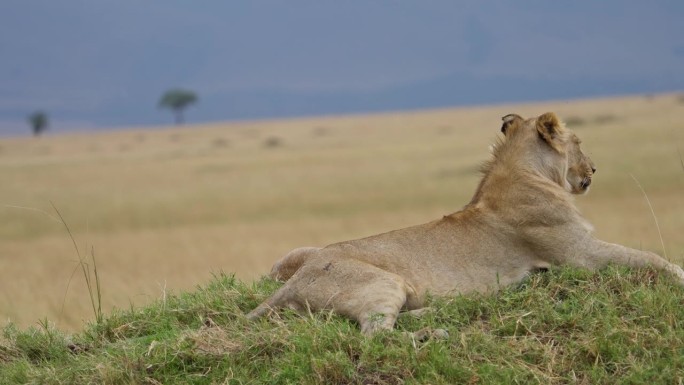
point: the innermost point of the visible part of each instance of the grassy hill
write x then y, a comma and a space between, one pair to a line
159, 210
566, 326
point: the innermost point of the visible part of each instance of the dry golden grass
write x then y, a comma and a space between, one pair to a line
164, 209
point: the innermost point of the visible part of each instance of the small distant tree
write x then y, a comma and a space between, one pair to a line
38, 121
177, 100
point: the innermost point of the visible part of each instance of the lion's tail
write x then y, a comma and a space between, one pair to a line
288, 265
274, 302
282, 270
261, 310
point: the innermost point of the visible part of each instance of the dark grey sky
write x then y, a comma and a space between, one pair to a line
105, 63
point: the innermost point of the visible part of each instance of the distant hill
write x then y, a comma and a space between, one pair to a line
454, 90
457, 89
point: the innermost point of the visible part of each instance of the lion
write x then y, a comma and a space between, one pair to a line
521, 219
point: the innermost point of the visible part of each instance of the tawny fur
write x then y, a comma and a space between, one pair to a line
521, 218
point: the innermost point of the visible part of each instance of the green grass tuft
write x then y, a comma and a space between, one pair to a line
565, 326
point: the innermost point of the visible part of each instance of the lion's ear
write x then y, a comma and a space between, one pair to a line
510, 122
551, 130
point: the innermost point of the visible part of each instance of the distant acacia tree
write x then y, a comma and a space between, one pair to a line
177, 100
38, 121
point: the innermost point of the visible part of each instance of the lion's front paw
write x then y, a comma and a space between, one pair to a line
680, 275
678, 272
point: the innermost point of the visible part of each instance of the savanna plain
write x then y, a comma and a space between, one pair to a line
181, 223
162, 210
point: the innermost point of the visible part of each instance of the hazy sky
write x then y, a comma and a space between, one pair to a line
94, 63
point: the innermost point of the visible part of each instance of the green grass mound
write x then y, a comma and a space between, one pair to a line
567, 326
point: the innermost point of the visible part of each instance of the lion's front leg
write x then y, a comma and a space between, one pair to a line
597, 254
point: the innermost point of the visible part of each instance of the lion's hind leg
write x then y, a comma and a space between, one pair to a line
352, 288
363, 292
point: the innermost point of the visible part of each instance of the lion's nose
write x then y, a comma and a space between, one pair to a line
593, 170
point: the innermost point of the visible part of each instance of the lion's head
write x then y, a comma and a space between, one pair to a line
556, 151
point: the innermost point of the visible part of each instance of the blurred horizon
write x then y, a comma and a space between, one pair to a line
92, 65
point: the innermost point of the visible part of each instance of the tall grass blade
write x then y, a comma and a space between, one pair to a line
655, 218
98, 314
52, 217
97, 309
